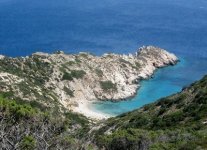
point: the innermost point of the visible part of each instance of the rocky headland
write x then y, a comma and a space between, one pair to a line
71, 81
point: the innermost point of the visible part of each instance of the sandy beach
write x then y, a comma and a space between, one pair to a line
84, 108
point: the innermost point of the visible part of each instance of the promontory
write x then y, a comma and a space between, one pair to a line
71, 81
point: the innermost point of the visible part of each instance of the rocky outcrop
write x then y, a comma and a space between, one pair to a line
73, 80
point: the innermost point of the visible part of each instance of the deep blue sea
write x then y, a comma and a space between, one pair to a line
119, 26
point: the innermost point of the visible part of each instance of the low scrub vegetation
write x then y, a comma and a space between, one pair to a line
174, 122
108, 86
27, 127
69, 91
78, 74
99, 72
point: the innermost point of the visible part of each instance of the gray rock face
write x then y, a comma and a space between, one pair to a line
75, 80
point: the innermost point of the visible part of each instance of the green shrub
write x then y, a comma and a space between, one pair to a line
84, 55
162, 146
7, 94
28, 143
99, 72
73, 74
70, 63
78, 73
76, 118
67, 142
108, 85
173, 118
162, 120
124, 62
69, 91
139, 121
137, 64
67, 76
18, 110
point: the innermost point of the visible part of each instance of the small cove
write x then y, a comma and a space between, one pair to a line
165, 82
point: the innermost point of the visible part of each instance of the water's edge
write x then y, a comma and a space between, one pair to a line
147, 93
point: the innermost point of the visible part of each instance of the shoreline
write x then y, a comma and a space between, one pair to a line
84, 109
98, 115
77, 80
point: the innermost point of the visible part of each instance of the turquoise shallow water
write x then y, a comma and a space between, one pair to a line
165, 81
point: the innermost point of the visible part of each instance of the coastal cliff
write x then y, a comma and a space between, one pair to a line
71, 81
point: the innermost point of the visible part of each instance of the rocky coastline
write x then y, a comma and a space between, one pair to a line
72, 81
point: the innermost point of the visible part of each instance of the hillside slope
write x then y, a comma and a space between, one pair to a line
175, 122
31, 126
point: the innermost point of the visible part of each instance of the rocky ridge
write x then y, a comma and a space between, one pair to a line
71, 81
